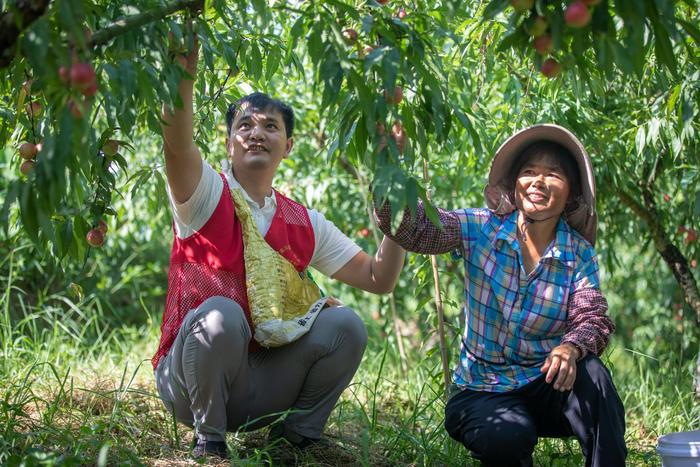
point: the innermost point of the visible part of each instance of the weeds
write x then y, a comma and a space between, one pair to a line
77, 389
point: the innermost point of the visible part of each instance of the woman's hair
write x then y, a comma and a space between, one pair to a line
554, 154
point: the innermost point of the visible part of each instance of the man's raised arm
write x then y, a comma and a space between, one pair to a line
183, 161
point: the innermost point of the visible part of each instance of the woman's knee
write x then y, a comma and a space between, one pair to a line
487, 435
180, 411
351, 326
595, 390
453, 425
592, 375
489, 441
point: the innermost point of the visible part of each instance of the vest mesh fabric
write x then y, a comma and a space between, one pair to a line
293, 213
210, 262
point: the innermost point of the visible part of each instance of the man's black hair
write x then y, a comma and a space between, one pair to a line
563, 157
261, 101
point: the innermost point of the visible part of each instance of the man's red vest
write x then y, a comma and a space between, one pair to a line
210, 262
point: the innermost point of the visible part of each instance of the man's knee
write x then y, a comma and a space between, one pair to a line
348, 326
218, 320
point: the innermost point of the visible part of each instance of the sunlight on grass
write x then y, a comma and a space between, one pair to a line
76, 390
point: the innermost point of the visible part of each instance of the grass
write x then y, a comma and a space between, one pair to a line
97, 406
77, 389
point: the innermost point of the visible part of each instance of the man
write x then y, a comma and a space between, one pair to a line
209, 371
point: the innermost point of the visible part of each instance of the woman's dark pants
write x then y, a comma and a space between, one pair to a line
501, 429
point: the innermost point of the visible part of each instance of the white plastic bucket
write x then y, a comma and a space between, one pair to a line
679, 449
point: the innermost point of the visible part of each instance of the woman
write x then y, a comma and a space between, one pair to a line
535, 316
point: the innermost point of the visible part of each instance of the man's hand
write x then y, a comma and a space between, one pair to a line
561, 364
188, 60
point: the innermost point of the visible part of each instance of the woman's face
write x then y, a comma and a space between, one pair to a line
541, 188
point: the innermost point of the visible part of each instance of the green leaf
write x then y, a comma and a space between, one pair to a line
273, 61
35, 45
10, 198
691, 29
28, 211
494, 8
254, 61
315, 44
64, 237
141, 177
662, 43
664, 49
640, 140
298, 27
513, 39
430, 210
672, 98
653, 132
79, 245
160, 186
229, 55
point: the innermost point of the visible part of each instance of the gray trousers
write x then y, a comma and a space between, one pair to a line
209, 380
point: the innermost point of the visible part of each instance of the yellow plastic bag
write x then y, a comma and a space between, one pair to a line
284, 303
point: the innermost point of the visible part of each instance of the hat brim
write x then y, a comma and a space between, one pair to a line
507, 154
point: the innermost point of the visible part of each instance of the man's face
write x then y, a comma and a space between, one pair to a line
258, 140
541, 188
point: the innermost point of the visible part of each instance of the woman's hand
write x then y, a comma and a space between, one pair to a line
560, 366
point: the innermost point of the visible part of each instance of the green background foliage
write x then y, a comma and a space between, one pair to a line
629, 88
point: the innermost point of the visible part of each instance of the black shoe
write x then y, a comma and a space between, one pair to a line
278, 432
209, 448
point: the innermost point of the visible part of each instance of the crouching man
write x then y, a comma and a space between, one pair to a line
211, 372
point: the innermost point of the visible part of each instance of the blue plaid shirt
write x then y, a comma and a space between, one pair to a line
512, 319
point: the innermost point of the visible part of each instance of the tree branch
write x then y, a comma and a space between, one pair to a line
25, 12
364, 187
12, 22
669, 252
129, 23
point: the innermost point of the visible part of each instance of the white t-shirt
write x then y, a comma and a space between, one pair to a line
332, 250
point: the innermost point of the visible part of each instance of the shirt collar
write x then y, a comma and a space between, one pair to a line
270, 201
561, 248
507, 230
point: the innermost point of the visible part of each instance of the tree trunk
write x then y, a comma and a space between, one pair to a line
135, 21
12, 22
696, 379
438, 304
25, 12
670, 253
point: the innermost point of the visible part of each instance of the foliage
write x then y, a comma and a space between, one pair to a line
609, 38
469, 80
432, 53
